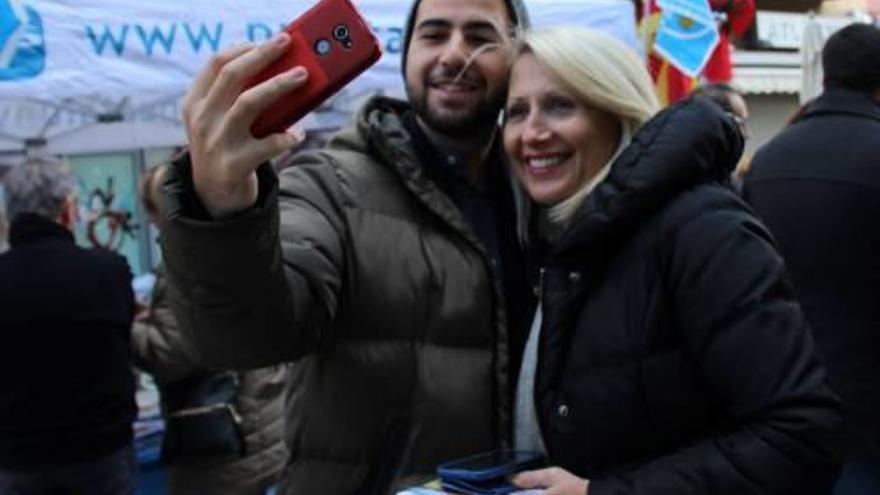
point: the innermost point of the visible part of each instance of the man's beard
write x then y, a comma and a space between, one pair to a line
463, 122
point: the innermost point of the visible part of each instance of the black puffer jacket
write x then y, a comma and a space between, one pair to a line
674, 359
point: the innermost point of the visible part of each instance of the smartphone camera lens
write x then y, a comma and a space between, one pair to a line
342, 34
322, 47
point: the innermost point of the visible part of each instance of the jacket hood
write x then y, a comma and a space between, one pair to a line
379, 132
689, 143
379, 124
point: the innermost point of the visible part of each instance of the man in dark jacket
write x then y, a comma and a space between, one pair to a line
381, 264
66, 384
817, 187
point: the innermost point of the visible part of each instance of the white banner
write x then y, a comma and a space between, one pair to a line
65, 61
70, 48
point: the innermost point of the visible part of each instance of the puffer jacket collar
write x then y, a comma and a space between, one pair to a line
691, 142
380, 123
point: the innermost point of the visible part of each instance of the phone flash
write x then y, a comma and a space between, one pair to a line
322, 47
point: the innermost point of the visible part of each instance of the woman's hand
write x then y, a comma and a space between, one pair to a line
554, 481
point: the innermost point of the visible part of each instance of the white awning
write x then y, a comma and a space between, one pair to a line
766, 72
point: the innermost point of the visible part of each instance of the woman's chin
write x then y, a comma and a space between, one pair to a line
546, 199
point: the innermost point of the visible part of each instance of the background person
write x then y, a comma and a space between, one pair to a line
257, 400
669, 356
385, 265
731, 100
66, 386
817, 186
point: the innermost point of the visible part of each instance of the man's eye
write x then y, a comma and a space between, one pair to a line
432, 35
479, 40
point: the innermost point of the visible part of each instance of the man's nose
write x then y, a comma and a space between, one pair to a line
455, 52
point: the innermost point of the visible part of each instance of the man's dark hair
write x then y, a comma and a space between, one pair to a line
851, 59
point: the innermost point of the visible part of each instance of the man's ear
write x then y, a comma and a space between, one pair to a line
69, 214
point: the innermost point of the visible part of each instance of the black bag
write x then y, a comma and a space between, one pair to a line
200, 419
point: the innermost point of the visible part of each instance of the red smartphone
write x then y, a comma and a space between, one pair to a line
335, 44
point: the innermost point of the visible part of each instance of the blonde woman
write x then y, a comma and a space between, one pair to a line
668, 355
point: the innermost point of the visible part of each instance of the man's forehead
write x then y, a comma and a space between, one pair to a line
471, 13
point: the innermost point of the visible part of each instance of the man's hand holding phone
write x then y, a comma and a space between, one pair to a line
218, 112
239, 105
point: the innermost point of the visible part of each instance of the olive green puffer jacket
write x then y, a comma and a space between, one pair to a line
361, 271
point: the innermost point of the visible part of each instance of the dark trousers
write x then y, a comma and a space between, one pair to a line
111, 475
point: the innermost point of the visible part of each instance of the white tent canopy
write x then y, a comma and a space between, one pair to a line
82, 76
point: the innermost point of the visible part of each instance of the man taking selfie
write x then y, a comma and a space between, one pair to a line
384, 265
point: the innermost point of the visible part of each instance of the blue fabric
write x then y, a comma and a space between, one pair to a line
687, 34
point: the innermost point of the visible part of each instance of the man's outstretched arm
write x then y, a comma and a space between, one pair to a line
241, 301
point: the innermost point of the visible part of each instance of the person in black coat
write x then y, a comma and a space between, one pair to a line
669, 355
66, 383
817, 186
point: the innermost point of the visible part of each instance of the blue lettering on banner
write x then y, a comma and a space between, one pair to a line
166, 39
196, 40
157, 39
391, 38
257, 31
395, 40
154, 38
99, 42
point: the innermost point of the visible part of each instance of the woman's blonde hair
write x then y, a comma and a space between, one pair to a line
603, 73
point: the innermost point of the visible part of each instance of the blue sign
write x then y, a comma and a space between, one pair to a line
687, 34
22, 47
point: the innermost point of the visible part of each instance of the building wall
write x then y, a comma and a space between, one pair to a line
768, 114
